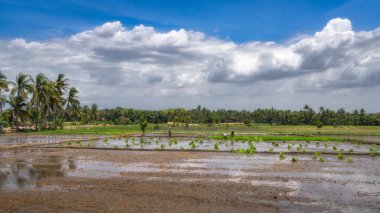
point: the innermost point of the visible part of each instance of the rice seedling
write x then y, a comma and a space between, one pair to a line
316, 155
335, 148
281, 155
317, 144
294, 159
340, 156
351, 150
349, 160
321, 159
192, 145
299, 147
116, 147
69, 143
163, 146
326, 146
216, 146
289, 147
127, 146
270, 149
373, 150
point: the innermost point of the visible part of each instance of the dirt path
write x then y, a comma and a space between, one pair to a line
67, 180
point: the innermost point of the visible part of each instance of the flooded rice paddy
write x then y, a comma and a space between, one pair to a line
187, 143
17, 140
186, 181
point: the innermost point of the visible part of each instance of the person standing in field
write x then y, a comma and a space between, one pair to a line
170, 132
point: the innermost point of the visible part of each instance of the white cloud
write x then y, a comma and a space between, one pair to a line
114, 65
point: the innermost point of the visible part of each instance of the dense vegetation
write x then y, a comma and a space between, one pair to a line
39, 103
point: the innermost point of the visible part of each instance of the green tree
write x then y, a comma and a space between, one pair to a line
22, 87
143, 125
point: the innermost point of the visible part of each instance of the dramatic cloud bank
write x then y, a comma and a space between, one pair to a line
140, 67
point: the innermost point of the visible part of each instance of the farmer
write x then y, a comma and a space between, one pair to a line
170, 132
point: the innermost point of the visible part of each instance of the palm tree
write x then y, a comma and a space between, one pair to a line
19, 95
72, 99
3, 86
60, 87
41, 94
72, 103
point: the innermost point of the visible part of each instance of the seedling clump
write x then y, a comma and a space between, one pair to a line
349, 160
281, 155
340, 156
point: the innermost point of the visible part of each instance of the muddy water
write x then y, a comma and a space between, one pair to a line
206, 144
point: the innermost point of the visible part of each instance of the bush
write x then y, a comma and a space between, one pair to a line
4, 123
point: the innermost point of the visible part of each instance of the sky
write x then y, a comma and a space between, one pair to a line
233, 54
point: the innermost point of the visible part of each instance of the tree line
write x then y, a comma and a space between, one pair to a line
39, 103
305, 116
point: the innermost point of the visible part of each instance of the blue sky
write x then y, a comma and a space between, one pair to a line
236, 20
235, 54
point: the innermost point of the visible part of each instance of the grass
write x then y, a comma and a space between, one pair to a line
284, 138
218, 128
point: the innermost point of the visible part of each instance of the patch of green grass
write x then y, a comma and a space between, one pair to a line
283, 138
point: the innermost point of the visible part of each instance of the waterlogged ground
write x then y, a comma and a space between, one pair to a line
15, 140
185, 143
90, 180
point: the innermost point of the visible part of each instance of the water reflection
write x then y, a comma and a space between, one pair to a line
23, 174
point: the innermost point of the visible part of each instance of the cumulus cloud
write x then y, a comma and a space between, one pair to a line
112, 61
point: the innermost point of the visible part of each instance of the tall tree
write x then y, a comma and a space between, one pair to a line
3, 87
22, 87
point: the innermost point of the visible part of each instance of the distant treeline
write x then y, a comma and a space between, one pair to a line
40, 103
306, 116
